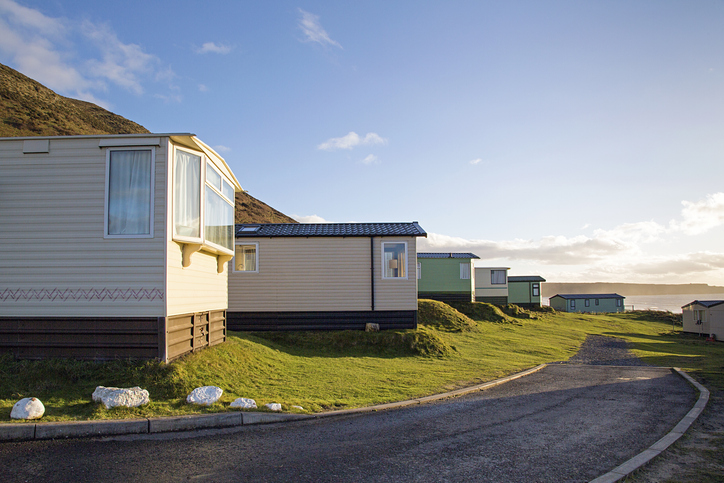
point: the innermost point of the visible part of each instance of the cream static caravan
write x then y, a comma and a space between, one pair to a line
704, 317
324, 276
113, 245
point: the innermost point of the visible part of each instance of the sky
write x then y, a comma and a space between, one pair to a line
577, 140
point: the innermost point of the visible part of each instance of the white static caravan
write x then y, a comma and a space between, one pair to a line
491, 285
704, 317
113, 245
298, 276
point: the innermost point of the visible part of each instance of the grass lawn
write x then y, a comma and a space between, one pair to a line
333, 370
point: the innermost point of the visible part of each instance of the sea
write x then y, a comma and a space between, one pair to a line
671, 303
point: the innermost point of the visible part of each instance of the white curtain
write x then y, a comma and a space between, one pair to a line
129, 193
187, 194
218, 220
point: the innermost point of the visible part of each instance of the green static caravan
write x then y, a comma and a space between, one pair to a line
324, 276
491, 285
113, 246
524, 291
588, 303
447, 277
704, 317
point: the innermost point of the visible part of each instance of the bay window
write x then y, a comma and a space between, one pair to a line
203, 202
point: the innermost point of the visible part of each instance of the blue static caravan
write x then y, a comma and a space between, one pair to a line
588, 303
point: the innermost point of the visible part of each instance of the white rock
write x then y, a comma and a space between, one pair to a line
205, 396
117, 396
274, 406
244, 403
298, 407
28, 408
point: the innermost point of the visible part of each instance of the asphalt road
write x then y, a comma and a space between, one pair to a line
565, 423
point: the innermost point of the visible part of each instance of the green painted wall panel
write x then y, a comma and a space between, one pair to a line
443, 275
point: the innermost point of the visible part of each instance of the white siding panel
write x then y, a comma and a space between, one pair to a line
54, 259
320, 274
198, 287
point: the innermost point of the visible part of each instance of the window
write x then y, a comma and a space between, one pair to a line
203, 202
618, 302
419, 270
464, 271
588, 303
573, 305
129, 193
219, 210
596, 301
497, 277
536, 289
187, 194
246, 258
394, 260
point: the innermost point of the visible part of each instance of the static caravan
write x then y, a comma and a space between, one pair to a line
524, 290
113, 246
491, 285
704, 317
297, 276
447, 277
588, 303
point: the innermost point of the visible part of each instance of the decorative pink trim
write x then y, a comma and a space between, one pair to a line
81, 294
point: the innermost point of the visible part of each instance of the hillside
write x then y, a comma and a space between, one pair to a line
28, 108
251, 210
628, 289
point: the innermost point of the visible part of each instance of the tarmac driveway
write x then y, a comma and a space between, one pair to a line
564, 423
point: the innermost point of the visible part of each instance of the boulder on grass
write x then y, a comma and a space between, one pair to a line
28, 408
244, 403
117, 396
274, 406
205, 395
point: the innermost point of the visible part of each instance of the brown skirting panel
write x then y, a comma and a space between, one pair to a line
345, 320
105, 338
192, 332
97, 338
446, 297
493, 300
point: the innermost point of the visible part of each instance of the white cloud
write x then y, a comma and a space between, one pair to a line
476, 161
310, 219
46, 49
211, 47
700, 217
220, 148
313, 31
351, 141
371, 159
203, 88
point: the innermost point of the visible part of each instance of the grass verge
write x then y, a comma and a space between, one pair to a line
333, 370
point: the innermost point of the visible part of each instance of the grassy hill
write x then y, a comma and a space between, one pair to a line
28, 108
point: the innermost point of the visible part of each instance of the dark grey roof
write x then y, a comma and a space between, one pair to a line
590, 296
447, 255
706, 303
328, 229
525, 278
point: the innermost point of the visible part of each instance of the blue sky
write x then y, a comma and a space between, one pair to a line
577, 140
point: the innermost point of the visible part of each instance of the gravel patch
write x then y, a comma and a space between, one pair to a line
600, 350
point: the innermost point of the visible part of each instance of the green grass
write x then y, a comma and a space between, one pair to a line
343, 369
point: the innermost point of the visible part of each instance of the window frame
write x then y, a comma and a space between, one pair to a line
152, 203
205, 164
573, 304
246, 244
419, 270
465, 271
382, 256
535, 289
492, 279
587, 303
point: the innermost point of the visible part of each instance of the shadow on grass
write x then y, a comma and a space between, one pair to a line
703, 359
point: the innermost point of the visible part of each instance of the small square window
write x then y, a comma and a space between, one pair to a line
394, 260
497, 277
246, 258
536, 289
464, 271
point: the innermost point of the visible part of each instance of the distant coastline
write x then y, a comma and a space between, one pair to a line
628, 289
